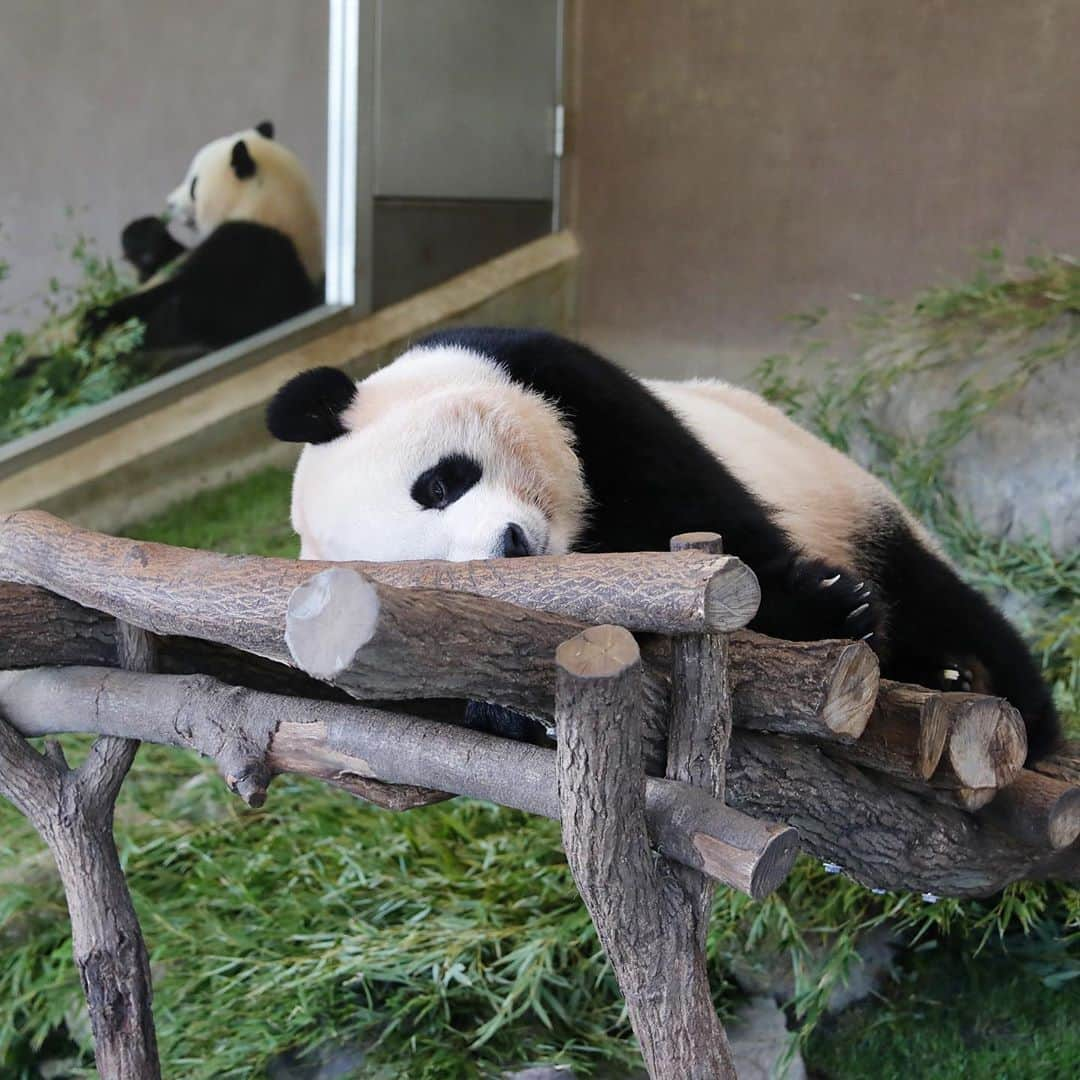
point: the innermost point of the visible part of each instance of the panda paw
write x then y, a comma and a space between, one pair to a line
841, 605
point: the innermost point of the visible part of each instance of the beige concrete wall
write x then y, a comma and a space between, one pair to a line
105, 101
735, 161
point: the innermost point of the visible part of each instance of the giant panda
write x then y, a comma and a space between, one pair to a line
257, 257
481, 443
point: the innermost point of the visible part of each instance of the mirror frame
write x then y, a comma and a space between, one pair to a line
349, 185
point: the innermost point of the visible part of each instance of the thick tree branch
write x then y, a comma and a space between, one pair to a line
353, 745
651, 592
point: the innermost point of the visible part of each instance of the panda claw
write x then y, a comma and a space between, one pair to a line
858, 611
867, 637
828, 583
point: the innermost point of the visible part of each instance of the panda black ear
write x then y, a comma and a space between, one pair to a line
308, 408
265, 128
242, 162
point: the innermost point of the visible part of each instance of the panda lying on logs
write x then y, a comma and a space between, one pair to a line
258, 254
485, 443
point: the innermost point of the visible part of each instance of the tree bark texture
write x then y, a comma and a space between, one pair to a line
881, 836
700, 729
643, 917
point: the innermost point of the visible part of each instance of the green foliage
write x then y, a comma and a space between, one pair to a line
995, 1014
56, 369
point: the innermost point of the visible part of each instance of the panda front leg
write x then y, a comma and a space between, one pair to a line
805, 599
156, 307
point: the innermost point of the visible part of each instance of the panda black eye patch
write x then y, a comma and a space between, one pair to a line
436, 488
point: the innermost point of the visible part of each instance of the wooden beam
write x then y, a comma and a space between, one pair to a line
251, 735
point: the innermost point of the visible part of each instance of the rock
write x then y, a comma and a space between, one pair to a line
768, 971
1016, 469
759, 1040
329, 1062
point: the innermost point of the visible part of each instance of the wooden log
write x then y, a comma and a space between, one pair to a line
881, 836
986, 745
377, 642
803, 683
1038, 810
700, 728
38, 627
653, 592
353, 746
829, 687
906, 733
1063, 764
643, 917
969, 800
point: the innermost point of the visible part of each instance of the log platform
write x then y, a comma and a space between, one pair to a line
688, 753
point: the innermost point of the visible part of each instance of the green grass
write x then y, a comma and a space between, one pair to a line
453, 936
251, 516
953, 1015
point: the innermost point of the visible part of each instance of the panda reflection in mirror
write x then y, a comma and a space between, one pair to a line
257, 257
487, 443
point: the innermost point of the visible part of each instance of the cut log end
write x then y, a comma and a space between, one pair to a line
600, 652
987, 742
732, 597
850, 696
1038, 810
932, 737
1063, 825
330, 617
758, 872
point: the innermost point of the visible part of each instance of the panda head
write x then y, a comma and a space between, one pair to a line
437, 456
248, 176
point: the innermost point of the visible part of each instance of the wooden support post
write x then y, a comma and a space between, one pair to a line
72, 810
700, 726
645, 920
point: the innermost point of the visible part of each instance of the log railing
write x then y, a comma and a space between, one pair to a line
722, 750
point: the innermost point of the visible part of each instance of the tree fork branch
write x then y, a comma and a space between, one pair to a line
72, 810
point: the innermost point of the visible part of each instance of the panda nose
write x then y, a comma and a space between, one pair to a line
515, 543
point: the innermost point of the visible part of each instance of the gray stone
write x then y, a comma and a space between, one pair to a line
1016, 471
759, 1042
329, 1062
768, 971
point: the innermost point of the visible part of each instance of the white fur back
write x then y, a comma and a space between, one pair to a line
819, 495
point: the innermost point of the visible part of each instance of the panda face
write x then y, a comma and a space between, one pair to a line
216, 183
439, 471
